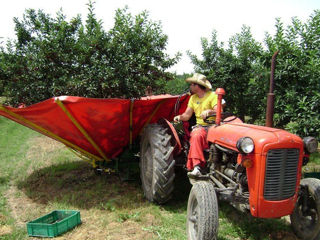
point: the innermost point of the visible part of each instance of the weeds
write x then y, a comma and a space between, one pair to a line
315, 159
124, 216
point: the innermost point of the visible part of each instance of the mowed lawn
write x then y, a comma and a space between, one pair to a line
39, 175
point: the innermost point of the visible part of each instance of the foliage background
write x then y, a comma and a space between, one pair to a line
52, 57
243, 69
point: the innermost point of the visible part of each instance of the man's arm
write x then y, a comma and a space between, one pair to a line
184, 116
209, 112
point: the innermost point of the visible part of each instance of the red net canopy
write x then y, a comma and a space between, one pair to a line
95, 127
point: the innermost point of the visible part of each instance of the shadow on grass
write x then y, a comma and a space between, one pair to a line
181, 191
4, 180
76, 183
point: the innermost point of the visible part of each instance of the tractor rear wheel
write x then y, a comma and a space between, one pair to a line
305, 219
157, 163
202, 212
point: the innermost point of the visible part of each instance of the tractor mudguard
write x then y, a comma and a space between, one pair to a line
173, 132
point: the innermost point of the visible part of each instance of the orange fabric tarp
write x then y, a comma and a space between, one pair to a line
107, 121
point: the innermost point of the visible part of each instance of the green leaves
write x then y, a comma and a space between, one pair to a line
233, 69
243, 69
53, 56
297, 76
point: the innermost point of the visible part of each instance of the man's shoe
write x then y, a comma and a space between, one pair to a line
195, 172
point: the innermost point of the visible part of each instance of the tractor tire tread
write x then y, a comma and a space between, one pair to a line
163, 164
313, 185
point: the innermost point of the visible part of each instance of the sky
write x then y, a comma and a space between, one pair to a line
184, 21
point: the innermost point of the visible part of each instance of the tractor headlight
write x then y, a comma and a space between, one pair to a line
245, 145
310, 144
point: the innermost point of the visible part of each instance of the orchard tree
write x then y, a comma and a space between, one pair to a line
178, 85
243, 69
53, 56
137, 50
233, 69
297, 76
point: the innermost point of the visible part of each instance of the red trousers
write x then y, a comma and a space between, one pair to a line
198, 142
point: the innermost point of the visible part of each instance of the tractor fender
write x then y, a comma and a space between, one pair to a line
172, 132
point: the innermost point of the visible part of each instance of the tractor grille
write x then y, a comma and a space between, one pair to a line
281, 174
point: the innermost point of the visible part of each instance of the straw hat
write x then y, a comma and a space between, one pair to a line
199, 79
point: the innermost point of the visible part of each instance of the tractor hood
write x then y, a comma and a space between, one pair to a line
227, 135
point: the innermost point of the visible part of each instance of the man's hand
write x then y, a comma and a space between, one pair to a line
176, 118
184, 116
206, 113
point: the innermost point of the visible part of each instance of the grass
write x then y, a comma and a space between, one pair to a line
315, 158
2, 100
38, 175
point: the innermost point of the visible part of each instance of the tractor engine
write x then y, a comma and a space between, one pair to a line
256, 168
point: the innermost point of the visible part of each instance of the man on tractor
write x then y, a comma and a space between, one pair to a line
202, 103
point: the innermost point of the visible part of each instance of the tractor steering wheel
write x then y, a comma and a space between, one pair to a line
223, 116
210, 121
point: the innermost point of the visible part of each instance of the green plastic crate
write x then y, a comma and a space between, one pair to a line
54, 223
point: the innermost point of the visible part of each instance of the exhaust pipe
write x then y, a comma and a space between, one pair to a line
270, 96
220, 92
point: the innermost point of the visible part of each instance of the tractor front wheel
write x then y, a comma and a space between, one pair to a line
157, 163
305, 219
202, 212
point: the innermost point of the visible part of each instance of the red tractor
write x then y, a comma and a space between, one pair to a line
256, 169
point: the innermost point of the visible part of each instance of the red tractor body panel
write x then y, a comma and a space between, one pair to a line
263, 177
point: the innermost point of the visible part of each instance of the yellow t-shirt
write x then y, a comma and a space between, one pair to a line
208, 101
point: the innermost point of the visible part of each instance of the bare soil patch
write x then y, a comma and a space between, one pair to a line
23, 209
4, 230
